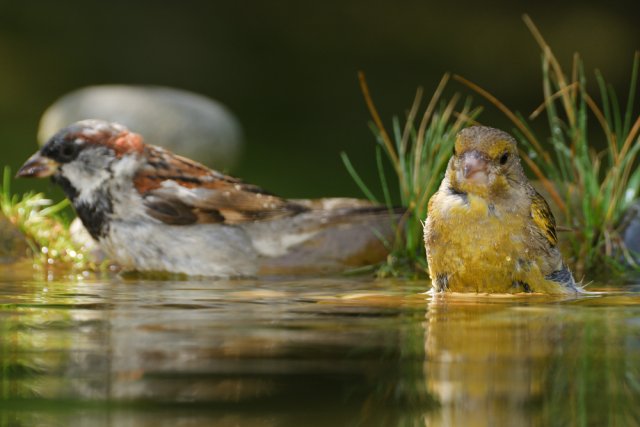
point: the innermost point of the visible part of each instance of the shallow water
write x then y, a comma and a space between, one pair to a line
321, 352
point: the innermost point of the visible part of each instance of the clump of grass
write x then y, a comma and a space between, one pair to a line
418, 153
591, 178
45, 229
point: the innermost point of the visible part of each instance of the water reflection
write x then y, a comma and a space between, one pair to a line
533, 361
314, 353
249, 353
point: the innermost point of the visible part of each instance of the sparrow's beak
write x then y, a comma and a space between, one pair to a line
38, 166
474, 167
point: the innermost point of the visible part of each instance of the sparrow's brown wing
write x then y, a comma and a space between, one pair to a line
179, 191
543, 218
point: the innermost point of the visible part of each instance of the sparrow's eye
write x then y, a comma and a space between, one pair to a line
504, 158
67, 152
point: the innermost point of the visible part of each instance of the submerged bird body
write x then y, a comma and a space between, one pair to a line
151, 210
487, 229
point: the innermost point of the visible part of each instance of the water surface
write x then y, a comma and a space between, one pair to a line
313, 352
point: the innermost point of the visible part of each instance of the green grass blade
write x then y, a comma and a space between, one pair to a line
631, 97
354, 175
383, 178
617, 115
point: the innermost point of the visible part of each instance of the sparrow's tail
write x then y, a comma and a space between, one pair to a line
343, 234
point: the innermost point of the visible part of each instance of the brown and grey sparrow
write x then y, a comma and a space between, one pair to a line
152, 210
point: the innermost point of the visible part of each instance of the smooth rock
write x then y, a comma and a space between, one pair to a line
13, 245
186, 123
630, 230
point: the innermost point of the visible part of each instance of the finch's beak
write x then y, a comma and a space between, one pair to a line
38, 166
474, 167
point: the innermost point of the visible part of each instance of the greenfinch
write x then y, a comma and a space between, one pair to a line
487, 229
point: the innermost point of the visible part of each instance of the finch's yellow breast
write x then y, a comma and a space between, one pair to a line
480, 247
488, 230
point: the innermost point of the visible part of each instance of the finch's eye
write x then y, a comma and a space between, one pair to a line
504, 158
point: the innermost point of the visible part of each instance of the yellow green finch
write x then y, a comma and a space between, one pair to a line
487, 228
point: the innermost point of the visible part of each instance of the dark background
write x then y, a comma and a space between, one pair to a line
288, 68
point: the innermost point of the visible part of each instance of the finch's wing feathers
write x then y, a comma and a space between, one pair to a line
543, 218
179, 191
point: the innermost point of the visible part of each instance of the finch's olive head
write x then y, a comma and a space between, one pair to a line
484, 160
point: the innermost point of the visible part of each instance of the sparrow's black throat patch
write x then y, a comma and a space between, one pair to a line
69, 190
94, 214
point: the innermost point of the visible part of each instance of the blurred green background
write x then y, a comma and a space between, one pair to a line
288, 68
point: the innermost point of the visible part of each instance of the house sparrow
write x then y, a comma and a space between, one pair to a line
487, 229
152, 210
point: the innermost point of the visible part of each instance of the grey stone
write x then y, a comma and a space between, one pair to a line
630, 230
184, 122
13, 245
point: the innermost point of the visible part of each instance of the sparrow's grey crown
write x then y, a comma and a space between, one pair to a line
66, 144
92, 127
